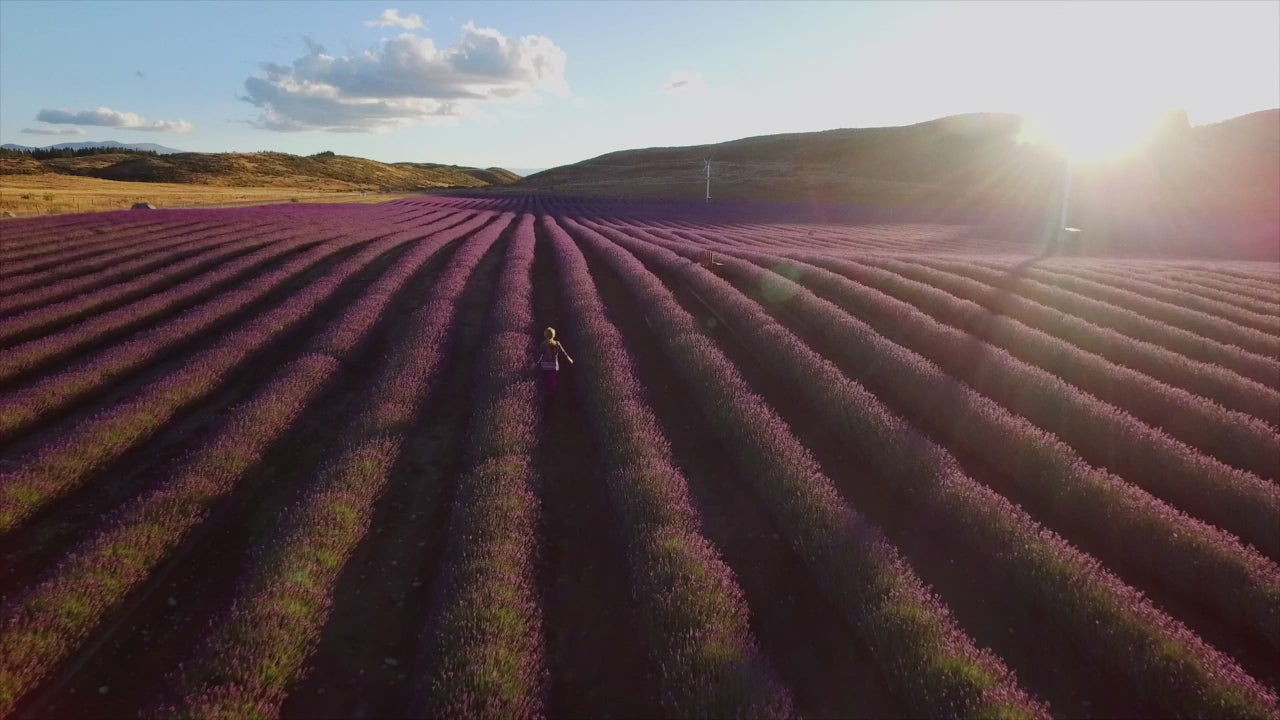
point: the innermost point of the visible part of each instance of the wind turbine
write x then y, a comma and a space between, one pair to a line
706, 162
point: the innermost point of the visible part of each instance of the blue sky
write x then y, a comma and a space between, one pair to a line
536, 84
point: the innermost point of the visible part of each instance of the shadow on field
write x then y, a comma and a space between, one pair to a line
364, 664
598, 659
805, 638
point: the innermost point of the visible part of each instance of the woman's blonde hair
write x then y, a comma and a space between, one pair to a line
549, 334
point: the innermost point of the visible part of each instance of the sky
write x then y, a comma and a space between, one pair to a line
541, 84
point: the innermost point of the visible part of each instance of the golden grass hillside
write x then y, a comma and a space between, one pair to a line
265, 169
113, 181
45, 193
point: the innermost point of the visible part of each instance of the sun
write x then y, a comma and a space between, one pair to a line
1089, 136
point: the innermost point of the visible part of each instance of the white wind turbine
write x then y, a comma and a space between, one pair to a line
706, 162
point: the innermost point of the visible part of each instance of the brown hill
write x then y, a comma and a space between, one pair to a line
489, 176
864, 164
971, 161
265, 169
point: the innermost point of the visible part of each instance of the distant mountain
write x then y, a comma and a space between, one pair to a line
150, 147
526, 172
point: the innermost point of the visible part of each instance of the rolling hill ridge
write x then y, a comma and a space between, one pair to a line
265, 169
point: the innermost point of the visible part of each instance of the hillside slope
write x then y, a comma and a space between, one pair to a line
975, 162
266, 169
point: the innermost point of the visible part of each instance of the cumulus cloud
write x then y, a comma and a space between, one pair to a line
684, 82
54, 131
106, 117
405, 79
392, 18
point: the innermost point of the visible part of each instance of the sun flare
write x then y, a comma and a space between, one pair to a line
1089, 138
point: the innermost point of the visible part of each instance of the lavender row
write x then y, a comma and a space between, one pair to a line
30, 234
1107, 516
1238, 440
25, 405
1265, 299
100, 239
872, 237
1204, 289
29, 355
1174, 315
61, 269
1156, 299
1123, 631
688, 598
1265, 370
190, 245
68, 233
938, 669
1260, 287
28, 403
1048, 395
1211, 381
68, 460
78, 246
42, 229
484, 644
42, 311
860, 238
1232, 499
43, 624
276, 618
1204, 285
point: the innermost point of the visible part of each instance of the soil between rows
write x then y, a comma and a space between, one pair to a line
808, 642
120, 334
128, 242
599, 662
72, 356
94, 399
45, 535
1252, 652
1026, 639
149, 635
216, 251
387, 591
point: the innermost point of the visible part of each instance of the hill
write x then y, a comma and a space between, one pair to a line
874, 164
491, 176
266, 169
973, 163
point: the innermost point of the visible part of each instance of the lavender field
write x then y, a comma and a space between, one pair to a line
296, 461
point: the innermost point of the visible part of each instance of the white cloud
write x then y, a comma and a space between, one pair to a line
392, 18
684, 82
54, 131
106, 117
404, 80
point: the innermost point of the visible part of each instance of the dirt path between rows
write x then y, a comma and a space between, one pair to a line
596, 654
364, 666
806, 639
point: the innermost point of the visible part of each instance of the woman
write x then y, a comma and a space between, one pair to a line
549, 359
